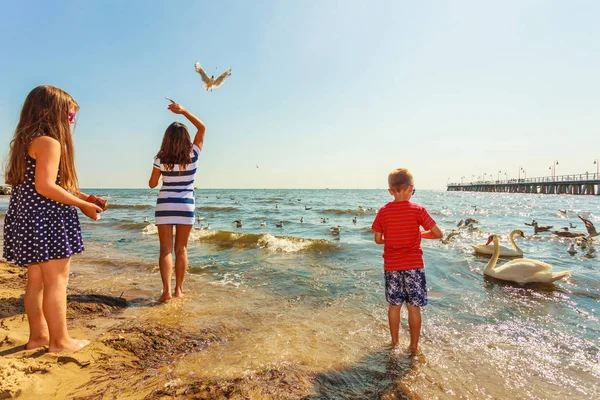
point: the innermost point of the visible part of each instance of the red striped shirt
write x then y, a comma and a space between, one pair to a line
400, 223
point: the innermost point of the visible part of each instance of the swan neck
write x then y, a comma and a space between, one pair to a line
489, 268
511, 239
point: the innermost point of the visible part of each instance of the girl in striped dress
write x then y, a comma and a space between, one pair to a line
176, 163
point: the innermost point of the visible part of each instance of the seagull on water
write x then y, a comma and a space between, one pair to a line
589, 226
450, 237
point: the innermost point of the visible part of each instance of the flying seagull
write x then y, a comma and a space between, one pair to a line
211, 83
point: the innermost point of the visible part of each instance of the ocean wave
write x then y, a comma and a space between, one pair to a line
131, 225
128, 225
356, 211
209, 208
272, 201
267, 242
118, 262
366, 231
129, 206
150, 229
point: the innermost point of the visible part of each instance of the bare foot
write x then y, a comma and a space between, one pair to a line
35, 343
178, 293
70, 346
165, 297
414, 352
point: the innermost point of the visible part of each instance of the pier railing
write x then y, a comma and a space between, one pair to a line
587, 177
584, 184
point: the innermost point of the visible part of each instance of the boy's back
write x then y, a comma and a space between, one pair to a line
400, 223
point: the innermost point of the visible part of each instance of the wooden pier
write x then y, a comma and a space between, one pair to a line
582, 184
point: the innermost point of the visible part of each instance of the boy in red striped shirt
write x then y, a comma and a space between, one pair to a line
397, 227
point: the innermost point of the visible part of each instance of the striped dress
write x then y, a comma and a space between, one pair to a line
175, 204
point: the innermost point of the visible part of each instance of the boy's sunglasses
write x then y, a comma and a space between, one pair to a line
414, 190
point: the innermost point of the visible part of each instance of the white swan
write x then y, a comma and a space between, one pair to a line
504, 251
521, 271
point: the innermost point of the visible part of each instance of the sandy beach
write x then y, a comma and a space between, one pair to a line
128, 358
135, 345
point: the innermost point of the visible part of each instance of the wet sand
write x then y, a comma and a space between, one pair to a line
134, 349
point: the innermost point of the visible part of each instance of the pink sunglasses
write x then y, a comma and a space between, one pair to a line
71, 117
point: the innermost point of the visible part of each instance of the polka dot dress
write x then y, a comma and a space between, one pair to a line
37, 229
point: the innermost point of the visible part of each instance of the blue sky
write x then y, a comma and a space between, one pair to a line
323, 93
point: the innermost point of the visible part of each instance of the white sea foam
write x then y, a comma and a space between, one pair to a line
150, 229
275, 244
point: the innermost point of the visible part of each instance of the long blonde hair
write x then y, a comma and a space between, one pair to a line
45, 112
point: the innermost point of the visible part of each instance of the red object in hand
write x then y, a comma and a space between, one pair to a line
99, 201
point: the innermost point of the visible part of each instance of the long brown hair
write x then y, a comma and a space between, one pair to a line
176, 147
45, 112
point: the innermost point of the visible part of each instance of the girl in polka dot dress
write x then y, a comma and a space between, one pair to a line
41, 226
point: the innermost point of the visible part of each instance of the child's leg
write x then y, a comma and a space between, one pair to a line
394, 320
165, 260
182, 234
414, 323
416, 284
55, 277
38, 328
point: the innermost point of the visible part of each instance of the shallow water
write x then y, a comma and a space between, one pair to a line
300, 296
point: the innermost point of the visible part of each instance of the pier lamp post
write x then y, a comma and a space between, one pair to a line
499, 172
506, 176
524, 173
597, 164
484, 176
520, 169
462, 179
472, 178
553, 168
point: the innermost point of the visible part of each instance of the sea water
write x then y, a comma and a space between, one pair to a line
305, 297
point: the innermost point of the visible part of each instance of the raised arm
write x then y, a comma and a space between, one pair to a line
199, 138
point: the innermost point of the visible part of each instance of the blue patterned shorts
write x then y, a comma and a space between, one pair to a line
408, 287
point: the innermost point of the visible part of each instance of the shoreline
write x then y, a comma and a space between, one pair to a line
135, 347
